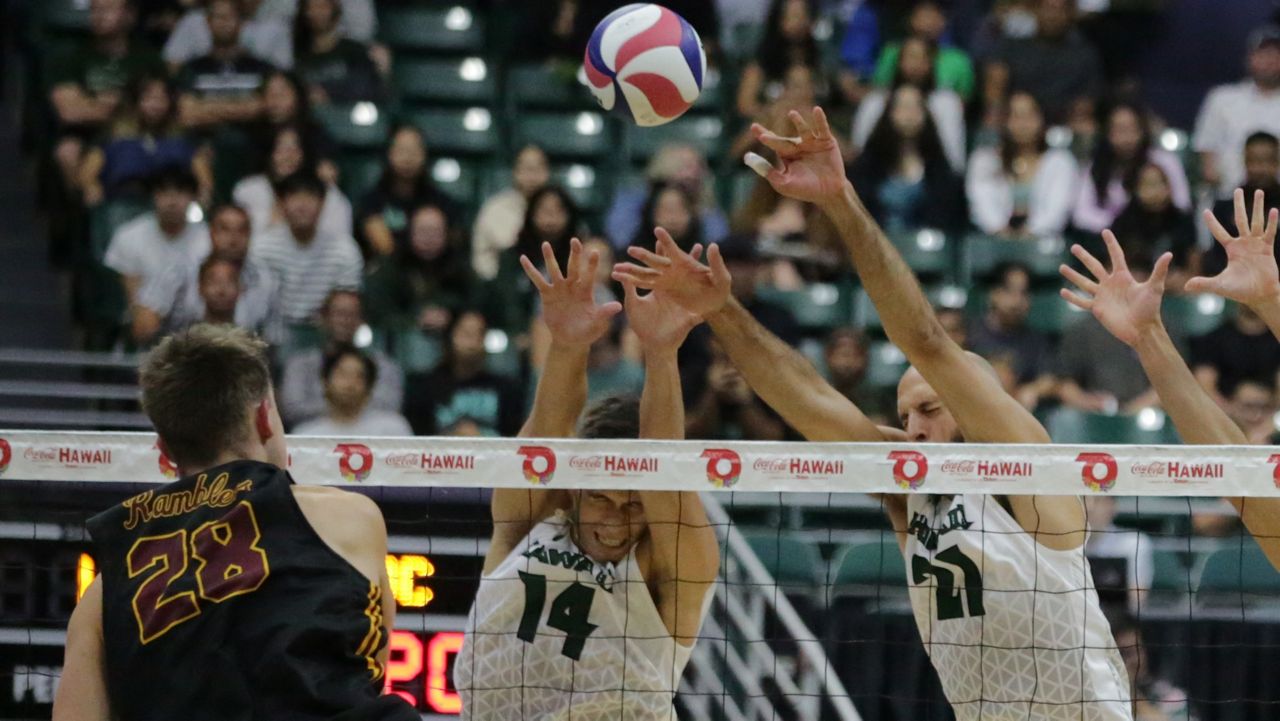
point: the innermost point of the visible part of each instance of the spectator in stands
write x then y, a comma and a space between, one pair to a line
143, 139
1262, 172
950, 68
222, 87
1108, 182
1004, 330
147, 245
359, 17
1154, 699
302, 396
676, 163
405, 184
552, 217
954, 323
1232, 113
788, 41
859, 48
500, 217
285, 105
775, 220
609, 371
335, 69
946, 110
425, 282
309, 262
461, 389
260, 194
902, 175
1099, 374
87, 82
672, 208
263, 36
1057, 65
173, 299
1007, 20
1241, 349
725, 407
1151, 224
557, 30
1021, 188
218, 286
846, 355
1122, 559
349, 377
1252, 405
799, 92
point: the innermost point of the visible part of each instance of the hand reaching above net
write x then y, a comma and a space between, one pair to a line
1124, 306
659, 321
568, 303
1251, 276
812, 168
697, 288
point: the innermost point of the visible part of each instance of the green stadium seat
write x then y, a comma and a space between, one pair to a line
791, 561
466, 81
982, 253
470, 131
703, 132
440, 27
459, 179
885, 365
928, 252
586, 184
1241, 569
359, 172
1169, 573
503, 356
1150, 426
577, 135
819, 307
1195, 314
362, 126
1049, 313
874, 564
415, 351
546, 87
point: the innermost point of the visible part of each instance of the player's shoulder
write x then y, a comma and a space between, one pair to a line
334, 504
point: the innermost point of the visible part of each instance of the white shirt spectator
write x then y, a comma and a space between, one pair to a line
265, 38
174, 295
258, 199
140, 248
497, 225
1094, 214
359, 18
302, 386
307, 273
1230, 114
945, 107
372, 422
990, 191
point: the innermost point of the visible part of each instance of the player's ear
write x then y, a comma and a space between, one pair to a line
262, 418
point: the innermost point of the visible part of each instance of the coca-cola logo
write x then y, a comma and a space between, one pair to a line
403, 460
355, 461
41, 455
953, 466
770, 465
539, 465
724, 466
1150, 469
6, 455
909, 469
1099, 470
586, 463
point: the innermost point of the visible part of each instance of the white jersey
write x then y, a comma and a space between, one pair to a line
554, 633
1013, 628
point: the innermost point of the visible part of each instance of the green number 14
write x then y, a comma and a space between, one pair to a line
569, 612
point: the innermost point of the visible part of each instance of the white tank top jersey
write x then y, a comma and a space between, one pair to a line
1013, 628
555, 635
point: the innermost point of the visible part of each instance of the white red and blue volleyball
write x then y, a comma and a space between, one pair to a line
645, 62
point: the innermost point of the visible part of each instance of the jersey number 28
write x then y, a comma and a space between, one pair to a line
569, 612
229, 563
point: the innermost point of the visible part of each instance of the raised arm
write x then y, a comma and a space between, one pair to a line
684, 553
82, 692
575, 322
778, 373
1251, 276
1131, 312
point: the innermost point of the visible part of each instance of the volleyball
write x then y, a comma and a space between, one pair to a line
645, 62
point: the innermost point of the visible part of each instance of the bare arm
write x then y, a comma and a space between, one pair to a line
82, 690
74, 106
683, 548
194, 112
145, 324
1131, 312
575, 322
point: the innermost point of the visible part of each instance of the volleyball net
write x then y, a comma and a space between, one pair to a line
811, 616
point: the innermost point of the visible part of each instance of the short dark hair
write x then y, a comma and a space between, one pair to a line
612, 417
197, 386
303, 181
1262, 136
335, 293
227, 207
1000, 274
213, 260
344, 350
173, 177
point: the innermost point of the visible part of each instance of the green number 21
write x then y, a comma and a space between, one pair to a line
568, 613
950, 603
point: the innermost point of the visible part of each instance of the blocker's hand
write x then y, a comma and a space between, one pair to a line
1124, 306
1250, 276
699, 289
568, 304
812, 168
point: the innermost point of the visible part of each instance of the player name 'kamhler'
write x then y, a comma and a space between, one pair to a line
150, 505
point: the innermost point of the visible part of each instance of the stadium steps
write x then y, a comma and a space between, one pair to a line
71, 390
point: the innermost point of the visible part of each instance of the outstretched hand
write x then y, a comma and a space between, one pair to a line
812, 168
699, 289
1251, 276
660, 323
1124, 306
568, 302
